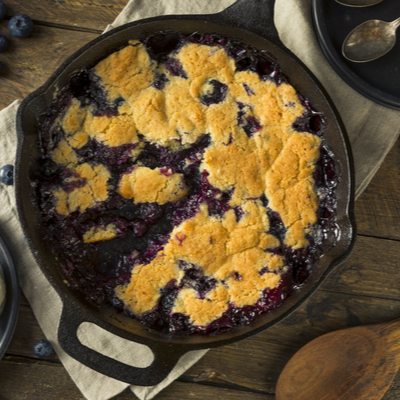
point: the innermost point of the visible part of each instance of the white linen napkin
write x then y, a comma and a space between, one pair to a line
372, 128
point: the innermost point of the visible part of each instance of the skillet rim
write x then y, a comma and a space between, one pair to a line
221, 340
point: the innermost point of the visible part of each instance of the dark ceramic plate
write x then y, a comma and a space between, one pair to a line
9, 316
378, 80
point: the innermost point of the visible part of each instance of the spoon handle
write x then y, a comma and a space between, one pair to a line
395, 24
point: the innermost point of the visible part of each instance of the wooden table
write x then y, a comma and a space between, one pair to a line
363, 290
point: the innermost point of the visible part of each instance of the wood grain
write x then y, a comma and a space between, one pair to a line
371, 270
43, 380
255, 364
29, 62
363, 290
92, 15
378, 208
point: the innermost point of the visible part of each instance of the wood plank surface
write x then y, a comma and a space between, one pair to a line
29, 62
363, 290
40, 379
378, 208
72, 14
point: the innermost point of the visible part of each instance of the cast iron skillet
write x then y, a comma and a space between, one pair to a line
250, 21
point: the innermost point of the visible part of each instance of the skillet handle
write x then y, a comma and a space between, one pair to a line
166, 356
256, 16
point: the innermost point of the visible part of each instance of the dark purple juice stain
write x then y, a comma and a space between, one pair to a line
218, 94
95, 269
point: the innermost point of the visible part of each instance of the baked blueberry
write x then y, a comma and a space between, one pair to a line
43, 349
252, 126
139, 227
3, 10
20, 26
151, 212
7, 174
216, 95
3, 43
174, 67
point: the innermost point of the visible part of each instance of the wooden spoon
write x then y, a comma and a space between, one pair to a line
350, 364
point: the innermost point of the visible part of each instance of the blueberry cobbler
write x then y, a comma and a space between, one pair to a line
184, 181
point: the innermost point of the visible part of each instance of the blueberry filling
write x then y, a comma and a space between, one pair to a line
86, 88
159, 46
160, 81
312, 121
141, 230
174, 67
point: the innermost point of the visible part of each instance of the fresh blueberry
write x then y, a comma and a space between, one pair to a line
7, 174
3, 43
43, 349
3, 10
20, 26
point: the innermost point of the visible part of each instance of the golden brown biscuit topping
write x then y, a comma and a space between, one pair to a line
94, 190
145, 185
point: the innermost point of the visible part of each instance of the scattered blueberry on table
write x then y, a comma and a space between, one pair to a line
43, 349
7, 171
3, 43
20, 26
3, 10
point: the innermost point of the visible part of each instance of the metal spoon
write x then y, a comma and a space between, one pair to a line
370, 40
358, 3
